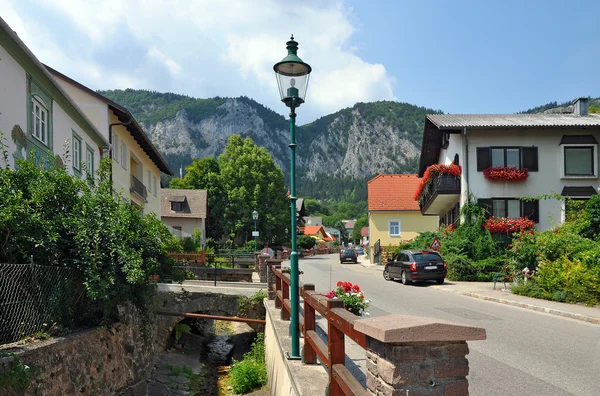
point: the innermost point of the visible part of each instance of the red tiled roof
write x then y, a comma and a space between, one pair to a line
364, 231
313, 230
350, 224
393, 192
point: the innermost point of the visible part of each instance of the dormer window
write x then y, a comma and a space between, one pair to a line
177, 204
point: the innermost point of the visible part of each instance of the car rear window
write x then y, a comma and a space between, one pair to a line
349, 251
427, 257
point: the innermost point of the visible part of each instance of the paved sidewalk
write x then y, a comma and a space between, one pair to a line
485, 291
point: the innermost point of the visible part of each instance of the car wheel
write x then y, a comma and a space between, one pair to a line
440, 281
403, 278
386, 275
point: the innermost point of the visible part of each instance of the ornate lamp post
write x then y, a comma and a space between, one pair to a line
292, 79
255, 233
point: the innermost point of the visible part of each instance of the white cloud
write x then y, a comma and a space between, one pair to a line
203, 48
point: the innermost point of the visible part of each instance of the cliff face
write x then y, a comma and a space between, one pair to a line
357, 142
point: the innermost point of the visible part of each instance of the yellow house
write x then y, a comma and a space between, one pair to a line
136, 163
394, 215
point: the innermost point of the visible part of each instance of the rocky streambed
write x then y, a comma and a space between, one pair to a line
198, 362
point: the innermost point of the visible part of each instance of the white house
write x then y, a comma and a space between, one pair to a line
559, 151
185, 211
38, 118
136, 163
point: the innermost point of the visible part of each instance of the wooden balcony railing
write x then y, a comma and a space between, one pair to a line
340, 324
138, 187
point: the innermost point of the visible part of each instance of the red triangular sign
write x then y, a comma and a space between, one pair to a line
435, 245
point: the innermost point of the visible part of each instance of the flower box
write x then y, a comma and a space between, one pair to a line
430, 173
504, 224
352, 296
505, 173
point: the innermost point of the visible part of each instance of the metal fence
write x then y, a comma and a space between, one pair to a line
35, 297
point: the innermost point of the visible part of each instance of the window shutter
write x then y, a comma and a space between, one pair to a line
531, 209
529, 158
483, 158
487, 205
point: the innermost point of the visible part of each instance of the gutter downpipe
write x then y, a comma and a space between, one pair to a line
110, 144
466, 161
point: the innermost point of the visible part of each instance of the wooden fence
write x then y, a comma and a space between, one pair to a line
340, 324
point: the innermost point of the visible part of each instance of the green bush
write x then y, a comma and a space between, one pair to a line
306, 242
460, 268
60, 220
553, 244
592, 210
524, 249
250, 372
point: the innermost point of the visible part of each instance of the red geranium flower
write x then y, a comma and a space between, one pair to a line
434, 170
507, 173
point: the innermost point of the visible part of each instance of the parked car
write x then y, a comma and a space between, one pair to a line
416, 265
360, 250
348, 255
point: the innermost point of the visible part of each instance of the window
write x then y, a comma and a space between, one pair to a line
89, 161
76, 152
177, 206
40, 121
123, 155
511, 208
149, 180
115, 146
154, 185
579, 160
394, 227
518, 157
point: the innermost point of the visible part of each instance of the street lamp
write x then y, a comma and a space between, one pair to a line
292, 79
255, 233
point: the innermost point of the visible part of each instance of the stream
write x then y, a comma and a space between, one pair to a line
198, 363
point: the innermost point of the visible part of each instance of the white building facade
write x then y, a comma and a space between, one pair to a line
559, 151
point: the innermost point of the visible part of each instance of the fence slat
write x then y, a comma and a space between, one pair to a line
335, 346
310, 356
346, 381
344, 321
318, 346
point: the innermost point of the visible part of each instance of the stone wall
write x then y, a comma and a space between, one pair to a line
108, 361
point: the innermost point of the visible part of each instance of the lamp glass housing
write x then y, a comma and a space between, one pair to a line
254, 215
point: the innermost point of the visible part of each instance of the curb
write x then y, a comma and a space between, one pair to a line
537, 308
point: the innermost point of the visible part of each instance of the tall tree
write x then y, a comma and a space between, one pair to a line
253, 181
360, 223
204, 174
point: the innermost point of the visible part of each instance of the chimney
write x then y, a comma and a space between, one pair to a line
580, 106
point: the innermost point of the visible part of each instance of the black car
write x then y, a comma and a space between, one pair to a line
348, 255
415, 266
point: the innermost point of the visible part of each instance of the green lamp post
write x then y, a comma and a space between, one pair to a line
292, 79
255, 233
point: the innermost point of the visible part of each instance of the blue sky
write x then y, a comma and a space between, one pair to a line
457, 56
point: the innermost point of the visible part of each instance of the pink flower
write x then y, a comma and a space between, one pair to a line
331, 294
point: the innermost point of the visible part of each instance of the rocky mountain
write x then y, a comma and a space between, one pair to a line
352, 143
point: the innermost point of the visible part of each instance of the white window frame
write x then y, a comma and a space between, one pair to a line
390, 228
562, 161
89, 161
40, 134
76, 153
115, 146
123, 155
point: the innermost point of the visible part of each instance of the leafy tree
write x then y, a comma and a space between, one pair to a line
305, 242
360, 223
205, 174
251, 181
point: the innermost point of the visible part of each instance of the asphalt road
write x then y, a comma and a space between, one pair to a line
526, 352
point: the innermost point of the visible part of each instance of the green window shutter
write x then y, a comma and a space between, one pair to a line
531, 209
487, 205
483, 158
529, 158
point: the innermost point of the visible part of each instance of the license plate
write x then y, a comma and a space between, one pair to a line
431, 267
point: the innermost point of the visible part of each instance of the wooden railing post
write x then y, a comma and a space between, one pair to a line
335, 347
278, 302
310, 356
285, 295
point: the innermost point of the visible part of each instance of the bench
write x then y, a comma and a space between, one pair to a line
499, 277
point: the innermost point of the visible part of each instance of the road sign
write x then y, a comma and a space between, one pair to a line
255, 233
435, 245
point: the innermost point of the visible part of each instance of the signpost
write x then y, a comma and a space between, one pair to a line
435, 245
255, 233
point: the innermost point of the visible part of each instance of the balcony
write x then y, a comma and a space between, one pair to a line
440, 195
138, 188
